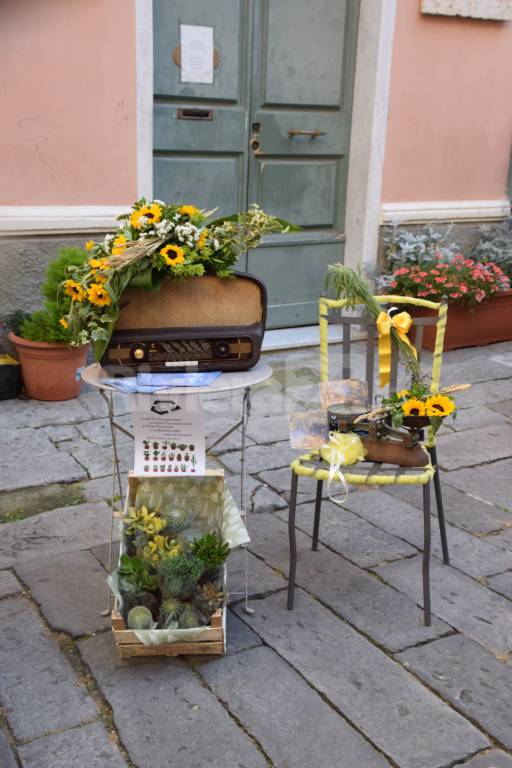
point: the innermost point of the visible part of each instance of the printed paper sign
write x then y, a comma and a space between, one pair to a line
196, 44
169, 435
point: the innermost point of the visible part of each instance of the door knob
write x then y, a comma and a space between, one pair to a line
255, 145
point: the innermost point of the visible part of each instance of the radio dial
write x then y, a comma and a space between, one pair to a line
221, 349
138, 351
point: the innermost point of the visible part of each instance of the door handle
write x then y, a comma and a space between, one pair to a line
312, 134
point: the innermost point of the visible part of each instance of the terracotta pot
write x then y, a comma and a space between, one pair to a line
485, 323
49, 369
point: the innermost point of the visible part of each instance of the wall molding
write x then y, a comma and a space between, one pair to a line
454, 210
60, 219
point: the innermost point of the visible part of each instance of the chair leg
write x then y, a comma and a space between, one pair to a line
440, 507
293, 543
426, 555
318, 509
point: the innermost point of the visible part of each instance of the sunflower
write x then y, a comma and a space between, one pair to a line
179, 258
118, 245
189, 210
99, 277
414, 407
151, 213
98, 295
64, 323
89, 245
203, 237
439, 405
403, 393
74, 289
98, 264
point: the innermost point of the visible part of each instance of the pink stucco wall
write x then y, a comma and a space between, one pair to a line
68, 102
449, 130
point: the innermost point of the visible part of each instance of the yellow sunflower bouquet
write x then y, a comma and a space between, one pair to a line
417, 404
155, 241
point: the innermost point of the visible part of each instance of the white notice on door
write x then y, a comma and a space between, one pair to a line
169, 435
196, 53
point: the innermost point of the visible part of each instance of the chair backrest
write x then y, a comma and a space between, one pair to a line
331, 311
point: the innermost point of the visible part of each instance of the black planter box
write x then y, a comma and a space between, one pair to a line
10, 377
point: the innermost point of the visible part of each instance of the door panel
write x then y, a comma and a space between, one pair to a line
303, 52
273, 128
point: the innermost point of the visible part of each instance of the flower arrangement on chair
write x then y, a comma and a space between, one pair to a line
156, 240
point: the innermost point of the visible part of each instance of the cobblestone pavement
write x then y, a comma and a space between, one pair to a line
350, 678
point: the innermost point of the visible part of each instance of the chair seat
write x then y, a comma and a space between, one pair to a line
364, 472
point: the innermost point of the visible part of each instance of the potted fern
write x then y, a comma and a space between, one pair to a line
43, 340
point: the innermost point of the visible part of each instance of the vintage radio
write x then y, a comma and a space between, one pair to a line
201, 324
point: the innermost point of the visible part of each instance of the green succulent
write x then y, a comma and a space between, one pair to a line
209, 598
179, 575
211, 550
140, 618
190, 618
136, 572
176, 520
171, 609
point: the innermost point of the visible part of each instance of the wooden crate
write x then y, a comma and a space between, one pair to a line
213, 641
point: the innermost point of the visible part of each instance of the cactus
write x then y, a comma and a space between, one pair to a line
209, 598
179, 575
140, 618
190, 617
176, 520
211, 550
171, 609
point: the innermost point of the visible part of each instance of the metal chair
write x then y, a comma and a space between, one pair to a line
366, 473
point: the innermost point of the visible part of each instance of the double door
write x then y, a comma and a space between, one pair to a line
271, 128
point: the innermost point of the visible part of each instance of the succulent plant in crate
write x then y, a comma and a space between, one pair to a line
170, 611
179, 575
176, 520
140, 618
136, 573
212, 552
190, 617
160, 547
209, 598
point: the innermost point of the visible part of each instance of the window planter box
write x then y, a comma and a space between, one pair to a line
485, 323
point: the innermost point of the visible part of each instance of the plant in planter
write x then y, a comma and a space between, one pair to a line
479, 296
156, 240
43, 339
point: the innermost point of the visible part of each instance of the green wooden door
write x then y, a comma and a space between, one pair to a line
272, 128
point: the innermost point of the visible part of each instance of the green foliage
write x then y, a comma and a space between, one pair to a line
171, 609
404, 248
179, 575
43, 325
56, 272
136, 572
495, 245
176, 520
211, 550
139, 618
190, 617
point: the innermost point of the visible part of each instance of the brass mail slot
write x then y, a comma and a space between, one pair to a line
195, 114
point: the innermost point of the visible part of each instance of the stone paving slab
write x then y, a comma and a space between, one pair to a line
59, 433
391, 708
460, 509
262, 579
473, 555
470, 418
67, 529
260, 497
476, 683
306, 731
268, 429
98, 430
493, 759
490, 482
504, 408
260, 457
475, 446
9, 584
100, 489
475, 368
7, 758
37, 413
71, 590
33, 460
164, 714
485, 393
96, 459
239, 636
85, 747
502, 583
388, 617
467, 605
351, 536
38, 687
101, 553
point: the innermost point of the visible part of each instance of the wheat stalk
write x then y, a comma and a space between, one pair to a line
135, 252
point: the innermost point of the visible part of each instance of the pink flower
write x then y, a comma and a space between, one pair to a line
393, 284
441, 279
422, 274
422, 293
401, 271
434, 271
416, 279
479, 295
455, 295
463, 287
468, 262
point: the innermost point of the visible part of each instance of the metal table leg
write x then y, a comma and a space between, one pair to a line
115, 472
246, 412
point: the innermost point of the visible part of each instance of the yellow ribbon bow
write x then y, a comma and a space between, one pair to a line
401, 323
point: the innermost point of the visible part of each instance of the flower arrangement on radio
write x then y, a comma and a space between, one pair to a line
170, 576
461, 280
156, 240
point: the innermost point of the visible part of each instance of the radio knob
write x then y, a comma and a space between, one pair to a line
221, 348
138, 351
